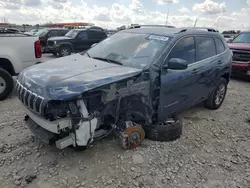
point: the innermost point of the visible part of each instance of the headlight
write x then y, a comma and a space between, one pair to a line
55, 42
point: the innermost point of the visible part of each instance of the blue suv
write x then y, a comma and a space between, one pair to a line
133, 83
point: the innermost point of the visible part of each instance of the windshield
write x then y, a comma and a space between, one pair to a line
72, 33
41, 32
130, 49
242, 38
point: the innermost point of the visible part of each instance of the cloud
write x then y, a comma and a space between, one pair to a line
209, 7
16, 4
164, 2
101, 14
116, 14
31, 2
248, 2
184, 10
61, 1
136, 6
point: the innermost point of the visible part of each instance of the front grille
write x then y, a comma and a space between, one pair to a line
241, 56
50, 43
29, 99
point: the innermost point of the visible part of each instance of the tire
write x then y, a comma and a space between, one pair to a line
64, 51
55, 54
43, 48
213, 102
166, 131
6, 84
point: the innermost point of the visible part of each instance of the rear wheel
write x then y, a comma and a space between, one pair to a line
54, 53
6, 84
217, 97
43, 48
64, 51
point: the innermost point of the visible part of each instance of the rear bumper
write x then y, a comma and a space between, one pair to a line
50, 49
241, 69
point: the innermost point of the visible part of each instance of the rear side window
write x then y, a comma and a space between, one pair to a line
219, 46
53, 33
96, 35
83, 35
206, 47
63, 32
184, 49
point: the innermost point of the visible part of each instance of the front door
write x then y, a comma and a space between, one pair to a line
179, 87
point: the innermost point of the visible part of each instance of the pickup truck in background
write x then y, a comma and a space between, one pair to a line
17, 52
240, 46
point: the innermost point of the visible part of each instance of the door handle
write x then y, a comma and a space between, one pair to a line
219, 62
195, 71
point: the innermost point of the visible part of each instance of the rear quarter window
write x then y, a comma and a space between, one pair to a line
219, 45
205, 47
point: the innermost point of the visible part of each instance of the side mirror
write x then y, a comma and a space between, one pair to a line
177, 64
93, 45
230, 40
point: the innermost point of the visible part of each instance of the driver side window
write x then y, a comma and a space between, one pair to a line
184, 49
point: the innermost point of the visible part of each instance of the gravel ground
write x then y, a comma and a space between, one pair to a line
214, 152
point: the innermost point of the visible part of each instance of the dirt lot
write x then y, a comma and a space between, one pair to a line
214, 151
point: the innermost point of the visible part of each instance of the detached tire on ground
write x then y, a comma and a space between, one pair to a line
217, 97
64, 51
165, 132
6, 84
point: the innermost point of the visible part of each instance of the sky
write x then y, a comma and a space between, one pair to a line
219, 14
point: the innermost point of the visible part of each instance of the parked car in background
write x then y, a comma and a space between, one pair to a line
45, 34
240, 47
136, 80
76, 40
228, 38
32, 32
17, 52
9, 30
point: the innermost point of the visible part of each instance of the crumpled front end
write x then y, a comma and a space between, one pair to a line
84, 118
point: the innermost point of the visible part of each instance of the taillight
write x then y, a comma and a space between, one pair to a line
38, 49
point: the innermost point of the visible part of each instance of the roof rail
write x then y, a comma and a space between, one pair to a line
139, 26
94, 28
197, 28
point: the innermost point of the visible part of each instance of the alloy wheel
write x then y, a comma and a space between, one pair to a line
220, 94
2, 85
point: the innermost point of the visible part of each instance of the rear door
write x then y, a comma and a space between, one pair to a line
94, 37
81, 41
206, 65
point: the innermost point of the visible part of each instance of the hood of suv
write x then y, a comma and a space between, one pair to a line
239, 46
68, 77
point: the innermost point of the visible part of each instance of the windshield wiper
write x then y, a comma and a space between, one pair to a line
108, 60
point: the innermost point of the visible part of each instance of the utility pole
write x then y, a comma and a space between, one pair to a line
218, 23
195, 22
167, 17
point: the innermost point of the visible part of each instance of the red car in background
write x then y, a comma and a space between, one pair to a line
240, 47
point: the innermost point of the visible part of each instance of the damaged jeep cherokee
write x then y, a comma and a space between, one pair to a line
133, 83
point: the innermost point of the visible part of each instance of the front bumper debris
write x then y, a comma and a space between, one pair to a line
41, 133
